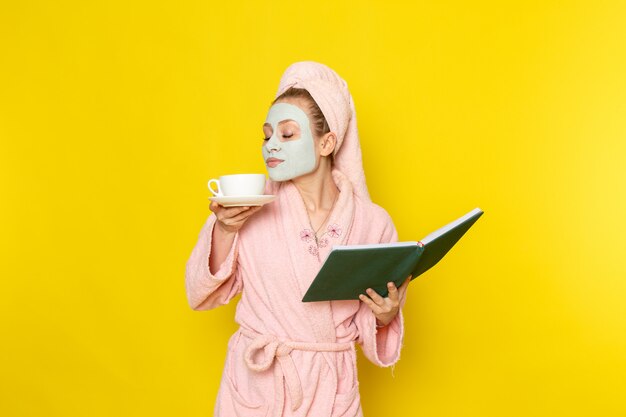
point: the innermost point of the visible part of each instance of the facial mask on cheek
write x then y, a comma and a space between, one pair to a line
298, 155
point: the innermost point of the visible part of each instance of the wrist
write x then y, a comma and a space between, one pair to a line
223, 230
380, 324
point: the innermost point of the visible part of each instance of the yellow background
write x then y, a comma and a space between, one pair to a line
113, 116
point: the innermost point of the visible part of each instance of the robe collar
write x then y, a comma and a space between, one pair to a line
307, 255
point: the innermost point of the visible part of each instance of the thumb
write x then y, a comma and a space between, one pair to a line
405, 286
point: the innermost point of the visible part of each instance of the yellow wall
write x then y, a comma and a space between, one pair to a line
113, 116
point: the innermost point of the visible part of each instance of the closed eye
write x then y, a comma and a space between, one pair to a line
286, 137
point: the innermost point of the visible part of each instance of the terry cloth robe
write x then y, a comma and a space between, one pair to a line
290, 358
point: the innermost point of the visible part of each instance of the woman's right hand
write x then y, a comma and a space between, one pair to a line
231, 219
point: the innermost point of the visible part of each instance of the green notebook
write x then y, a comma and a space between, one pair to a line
349, 270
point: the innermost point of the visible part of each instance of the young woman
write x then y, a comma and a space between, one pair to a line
290, 358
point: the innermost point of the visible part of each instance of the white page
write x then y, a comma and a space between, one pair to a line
434, 235
375, 245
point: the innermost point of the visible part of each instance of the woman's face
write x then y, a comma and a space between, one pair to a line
288, 145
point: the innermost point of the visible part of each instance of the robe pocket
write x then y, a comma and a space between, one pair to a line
241, 405
347, 403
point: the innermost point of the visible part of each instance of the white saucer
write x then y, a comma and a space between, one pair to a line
243, 200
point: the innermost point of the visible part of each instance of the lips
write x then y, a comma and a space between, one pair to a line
273, 162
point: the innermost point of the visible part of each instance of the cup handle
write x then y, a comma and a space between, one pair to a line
217, 193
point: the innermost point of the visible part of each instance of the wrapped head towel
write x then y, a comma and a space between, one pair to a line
331, 94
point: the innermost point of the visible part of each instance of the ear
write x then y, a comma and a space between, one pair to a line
328, 143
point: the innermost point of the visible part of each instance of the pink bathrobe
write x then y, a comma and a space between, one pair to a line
290, 358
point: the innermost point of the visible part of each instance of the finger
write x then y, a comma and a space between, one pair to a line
393, 291
214, 206
405, 286
240, 218
375, 297
372, 305
234, 211
228, 214
243, 216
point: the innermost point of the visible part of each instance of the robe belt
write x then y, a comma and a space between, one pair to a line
274, 347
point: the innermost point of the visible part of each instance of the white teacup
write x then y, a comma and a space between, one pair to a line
238, 185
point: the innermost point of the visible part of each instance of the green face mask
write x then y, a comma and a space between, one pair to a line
291, 158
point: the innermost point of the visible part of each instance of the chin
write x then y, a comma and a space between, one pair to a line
275, 179
275, 176
286, 173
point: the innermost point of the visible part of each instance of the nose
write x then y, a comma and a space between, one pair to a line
273, 144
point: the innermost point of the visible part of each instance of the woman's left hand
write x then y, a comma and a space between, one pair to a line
385, 309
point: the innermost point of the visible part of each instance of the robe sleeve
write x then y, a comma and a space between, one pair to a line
381, 346
205, 290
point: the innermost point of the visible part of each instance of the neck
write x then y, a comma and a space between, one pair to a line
318, 190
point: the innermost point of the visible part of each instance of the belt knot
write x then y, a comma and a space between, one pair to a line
273, 347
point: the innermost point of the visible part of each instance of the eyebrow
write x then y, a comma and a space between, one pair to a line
280, 123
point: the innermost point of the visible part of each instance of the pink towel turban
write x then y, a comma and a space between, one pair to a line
331, 94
